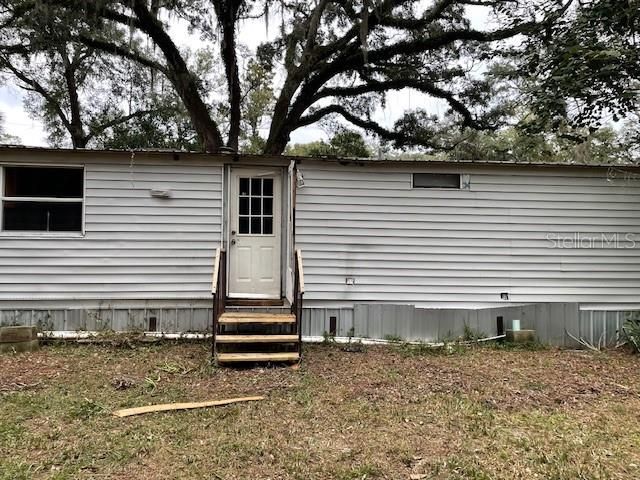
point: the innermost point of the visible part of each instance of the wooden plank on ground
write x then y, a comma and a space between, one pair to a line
127, 412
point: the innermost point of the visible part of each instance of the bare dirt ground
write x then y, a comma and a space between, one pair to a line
393, 412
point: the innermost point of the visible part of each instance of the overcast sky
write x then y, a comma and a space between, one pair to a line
251, 33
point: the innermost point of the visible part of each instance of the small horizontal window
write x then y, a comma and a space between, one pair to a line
42, 199
436, 180
43, 182
42, 216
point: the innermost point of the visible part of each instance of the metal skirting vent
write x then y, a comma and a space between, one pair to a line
333, 325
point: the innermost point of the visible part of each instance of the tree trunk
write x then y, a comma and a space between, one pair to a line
283, 122
207, 130
185, 84
75, 127
280, 126
278, 144
78, 141
227, 13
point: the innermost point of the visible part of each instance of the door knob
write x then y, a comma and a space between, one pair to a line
233, 232
233, 242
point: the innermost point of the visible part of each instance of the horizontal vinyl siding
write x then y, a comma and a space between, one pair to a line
135, 246
437, 247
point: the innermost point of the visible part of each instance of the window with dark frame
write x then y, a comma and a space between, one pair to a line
255, 206
42, 199
436, 180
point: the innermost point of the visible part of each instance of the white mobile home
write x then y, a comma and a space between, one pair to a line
114, 239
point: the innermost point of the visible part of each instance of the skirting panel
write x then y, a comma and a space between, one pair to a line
551, 321
168, 320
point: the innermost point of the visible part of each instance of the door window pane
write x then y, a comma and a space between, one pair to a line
268, 187
243, 225
267, 225
267, 206
256, 187
244, 186
255, 205
256, 225
244, 206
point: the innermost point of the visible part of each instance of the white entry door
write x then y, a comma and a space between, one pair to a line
255, 232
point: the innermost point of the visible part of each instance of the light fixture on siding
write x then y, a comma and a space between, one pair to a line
504, 296
299, 179
158, 193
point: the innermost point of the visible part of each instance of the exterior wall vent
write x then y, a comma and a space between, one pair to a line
156, 193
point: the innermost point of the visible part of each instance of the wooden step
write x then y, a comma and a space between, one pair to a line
256, 317
258, 357
252, 302
257, 338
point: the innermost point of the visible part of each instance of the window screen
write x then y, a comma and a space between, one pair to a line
42, 199
255, 206
436, 180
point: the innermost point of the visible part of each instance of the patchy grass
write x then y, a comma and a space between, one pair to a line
387, 413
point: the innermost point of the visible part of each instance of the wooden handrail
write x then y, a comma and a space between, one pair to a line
298, 294
300, 271
216, 271
219, 291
